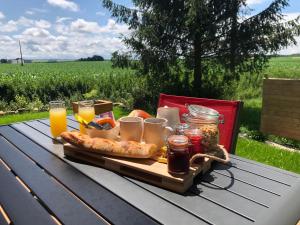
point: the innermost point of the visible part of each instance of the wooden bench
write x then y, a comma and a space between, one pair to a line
281, 108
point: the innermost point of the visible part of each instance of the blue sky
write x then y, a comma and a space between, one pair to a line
70, 29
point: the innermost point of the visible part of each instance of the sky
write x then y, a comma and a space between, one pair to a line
71, 29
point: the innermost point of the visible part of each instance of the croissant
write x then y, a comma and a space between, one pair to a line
129, 149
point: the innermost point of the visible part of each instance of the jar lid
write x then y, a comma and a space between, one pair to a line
202, 111
178, 141
182, 126
193, 132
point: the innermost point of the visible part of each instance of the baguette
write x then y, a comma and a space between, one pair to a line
129, 149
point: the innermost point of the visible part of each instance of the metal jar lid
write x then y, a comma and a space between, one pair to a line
178, 142
203, 112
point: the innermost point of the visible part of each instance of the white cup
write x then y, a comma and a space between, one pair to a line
131, 128
156, 131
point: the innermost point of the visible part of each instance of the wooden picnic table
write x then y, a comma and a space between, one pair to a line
38, 185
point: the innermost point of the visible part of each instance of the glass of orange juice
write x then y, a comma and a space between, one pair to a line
86, 110
58, 118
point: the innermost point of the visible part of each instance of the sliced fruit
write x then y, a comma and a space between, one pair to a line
107, 120
140, 113
162, 160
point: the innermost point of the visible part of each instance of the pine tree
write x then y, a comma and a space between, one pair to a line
196, 34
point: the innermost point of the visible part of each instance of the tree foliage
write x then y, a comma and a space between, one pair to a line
120, 60
199, 37
93, 58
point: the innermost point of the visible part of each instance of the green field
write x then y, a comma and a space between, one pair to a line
43, 82
35, 84
284, 67
70, 80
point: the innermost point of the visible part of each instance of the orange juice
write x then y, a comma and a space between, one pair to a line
58, 121
88, 114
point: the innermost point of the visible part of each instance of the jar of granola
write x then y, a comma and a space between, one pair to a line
207, 120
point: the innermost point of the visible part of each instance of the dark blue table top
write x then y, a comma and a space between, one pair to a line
38, 185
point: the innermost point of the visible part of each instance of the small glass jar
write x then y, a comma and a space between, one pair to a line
180, 128
178, 155
207, 120
195, 142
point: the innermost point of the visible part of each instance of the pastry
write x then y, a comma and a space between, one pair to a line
130, 149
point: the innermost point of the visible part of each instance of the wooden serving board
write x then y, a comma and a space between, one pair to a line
147, 170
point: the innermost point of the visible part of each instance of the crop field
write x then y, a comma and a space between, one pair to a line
284, 67
39, 83
35, 84
69, 80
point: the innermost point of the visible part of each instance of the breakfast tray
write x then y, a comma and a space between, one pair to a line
148, 170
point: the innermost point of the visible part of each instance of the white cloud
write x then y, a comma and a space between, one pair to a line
22, 22
36, 32
10, 26
100, 13
291, 16
254, 2
2, 16
42, 24
81, 25
64, 4
62, 19
66, 38
38, 10
29, 12
293, 49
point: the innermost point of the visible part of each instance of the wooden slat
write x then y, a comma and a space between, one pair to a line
281, 108
103, 201
71, 124
240, 188
253, 179
285, 210
143, 169
279, 112
162, 211
264, 166
19, 204
230, 207
229, 200
3, 220
65, 206
263, 171
205, 208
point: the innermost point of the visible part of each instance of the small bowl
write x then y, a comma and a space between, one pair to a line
112, 134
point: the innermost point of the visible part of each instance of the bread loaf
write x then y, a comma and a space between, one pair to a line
129, 149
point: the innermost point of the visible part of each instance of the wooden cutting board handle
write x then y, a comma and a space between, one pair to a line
220, 147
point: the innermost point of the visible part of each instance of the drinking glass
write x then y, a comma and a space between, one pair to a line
86, 110
58, 118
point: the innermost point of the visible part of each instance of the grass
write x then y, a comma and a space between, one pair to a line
250, 117
284, 67
14, 118
266, 154
7, 119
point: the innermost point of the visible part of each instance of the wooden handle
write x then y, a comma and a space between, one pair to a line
200, 155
